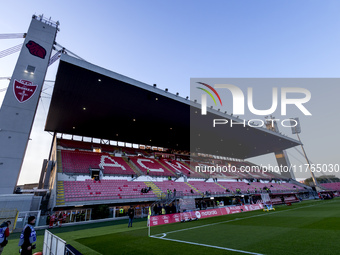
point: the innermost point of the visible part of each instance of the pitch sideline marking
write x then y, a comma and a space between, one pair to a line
218, 247
207, 245
236, 219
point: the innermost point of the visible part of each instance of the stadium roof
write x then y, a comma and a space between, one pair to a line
91, 101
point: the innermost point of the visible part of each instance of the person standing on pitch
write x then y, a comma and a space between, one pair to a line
4, 233
131, 214
28, 237
52, 219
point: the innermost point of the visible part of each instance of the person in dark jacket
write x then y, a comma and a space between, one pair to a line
28, 237
131, 214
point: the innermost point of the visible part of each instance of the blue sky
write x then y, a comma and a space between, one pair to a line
168, 42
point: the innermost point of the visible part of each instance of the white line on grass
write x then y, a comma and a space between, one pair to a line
207, 245
218, 247
237, 219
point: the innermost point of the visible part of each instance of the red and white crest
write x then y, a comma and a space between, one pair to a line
23, 90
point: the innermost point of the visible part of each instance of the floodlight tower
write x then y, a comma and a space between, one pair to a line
281, 156
21, 100
296, 129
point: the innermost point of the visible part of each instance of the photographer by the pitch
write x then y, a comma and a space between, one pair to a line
28, 237
4, 233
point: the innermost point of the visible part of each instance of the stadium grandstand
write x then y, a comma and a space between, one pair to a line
118, 152
118, 142
91, 173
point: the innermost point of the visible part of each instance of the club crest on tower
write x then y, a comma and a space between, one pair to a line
23, 90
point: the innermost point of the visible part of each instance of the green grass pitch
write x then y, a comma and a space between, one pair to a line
310, 227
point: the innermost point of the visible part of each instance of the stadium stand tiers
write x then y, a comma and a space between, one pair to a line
108, 148
90, 190
74, 144
205, 187
133, 151
83, 161
79, 158
161, 167
292, 186
180, 168
331, 186
232, 186
179, 186
231, 169
274, 187
153, 165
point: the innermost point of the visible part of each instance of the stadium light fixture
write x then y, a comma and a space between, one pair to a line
30, 69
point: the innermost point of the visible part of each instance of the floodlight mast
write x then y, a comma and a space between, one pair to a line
21, 99
311, 172
282, 158
296, 129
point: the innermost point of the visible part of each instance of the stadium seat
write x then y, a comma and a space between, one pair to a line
83, 161
106, 190
155, 168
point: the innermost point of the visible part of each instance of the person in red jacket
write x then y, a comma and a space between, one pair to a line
4, 233
52, 219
